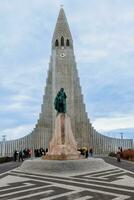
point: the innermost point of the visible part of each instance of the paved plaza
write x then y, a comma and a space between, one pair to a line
115, 183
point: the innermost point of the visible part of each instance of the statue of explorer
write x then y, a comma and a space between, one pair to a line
60, 101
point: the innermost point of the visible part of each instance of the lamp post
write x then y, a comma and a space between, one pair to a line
121, 135
3, 146
122, 143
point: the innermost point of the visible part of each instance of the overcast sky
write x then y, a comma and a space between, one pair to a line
103, 34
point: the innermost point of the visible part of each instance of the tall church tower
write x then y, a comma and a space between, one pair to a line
63, 74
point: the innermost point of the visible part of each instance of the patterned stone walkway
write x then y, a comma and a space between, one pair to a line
4, 167
127, 165
110, 184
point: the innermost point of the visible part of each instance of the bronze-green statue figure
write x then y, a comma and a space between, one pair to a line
60, 101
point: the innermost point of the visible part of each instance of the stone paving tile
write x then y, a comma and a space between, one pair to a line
115, 184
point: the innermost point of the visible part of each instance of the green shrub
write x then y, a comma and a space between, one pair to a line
112, 154
6, 159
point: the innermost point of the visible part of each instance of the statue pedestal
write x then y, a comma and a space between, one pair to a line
62, 152
63, 156
63, 145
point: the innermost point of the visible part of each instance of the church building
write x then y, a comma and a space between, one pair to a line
63, 73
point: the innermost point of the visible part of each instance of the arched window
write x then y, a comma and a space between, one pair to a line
67, 43
56, 43
62, 41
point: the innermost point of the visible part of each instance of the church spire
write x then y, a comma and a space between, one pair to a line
62, 35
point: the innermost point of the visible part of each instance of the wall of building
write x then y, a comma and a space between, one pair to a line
37, 139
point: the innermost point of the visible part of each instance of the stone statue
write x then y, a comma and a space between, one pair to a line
60, 101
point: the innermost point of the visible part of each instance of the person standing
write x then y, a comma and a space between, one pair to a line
86, 153
91, 152
118, 155
15, 155
20, 155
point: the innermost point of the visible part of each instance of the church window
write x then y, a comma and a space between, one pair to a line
67, 43
56, 43
62, 41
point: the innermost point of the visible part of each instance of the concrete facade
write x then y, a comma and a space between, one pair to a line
63, 73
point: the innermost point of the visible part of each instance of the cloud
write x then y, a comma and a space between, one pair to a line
104, 47
17, 132
127, 133
93, 55
113, 123
21, 97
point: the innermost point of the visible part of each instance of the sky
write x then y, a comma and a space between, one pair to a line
103, 37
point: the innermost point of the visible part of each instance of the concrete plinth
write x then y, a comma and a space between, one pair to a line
63, 166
